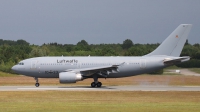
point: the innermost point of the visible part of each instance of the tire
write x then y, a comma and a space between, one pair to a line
37, 84
93, 84
99, 84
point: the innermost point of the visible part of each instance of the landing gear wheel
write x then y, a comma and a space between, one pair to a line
99, 84
96, 83
37, 84
93, 84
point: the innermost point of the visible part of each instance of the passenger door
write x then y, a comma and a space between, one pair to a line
142, 63
34, 64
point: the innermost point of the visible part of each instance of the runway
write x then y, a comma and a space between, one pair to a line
104, 88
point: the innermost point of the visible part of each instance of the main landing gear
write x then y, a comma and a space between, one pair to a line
96, 83
37, 84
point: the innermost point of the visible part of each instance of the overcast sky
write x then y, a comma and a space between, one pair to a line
96, 21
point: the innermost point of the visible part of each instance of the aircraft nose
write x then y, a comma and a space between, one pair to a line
14, 68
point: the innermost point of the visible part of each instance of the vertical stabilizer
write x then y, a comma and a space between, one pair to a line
173, 44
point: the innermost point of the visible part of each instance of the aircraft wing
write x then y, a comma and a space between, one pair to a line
103, 70
176, 60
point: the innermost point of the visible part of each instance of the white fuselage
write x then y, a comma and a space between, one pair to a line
50, 67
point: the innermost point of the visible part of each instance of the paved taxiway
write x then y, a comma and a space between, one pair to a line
104, 88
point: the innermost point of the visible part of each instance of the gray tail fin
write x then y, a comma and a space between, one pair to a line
173, 44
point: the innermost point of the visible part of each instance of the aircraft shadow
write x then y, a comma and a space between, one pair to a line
103, 87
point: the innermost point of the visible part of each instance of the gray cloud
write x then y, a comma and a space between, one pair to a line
103, 21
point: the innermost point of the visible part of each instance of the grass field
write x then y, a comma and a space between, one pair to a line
3, 74
98, 101
197, 70
84, 101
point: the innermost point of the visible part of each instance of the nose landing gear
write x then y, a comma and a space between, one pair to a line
37, 84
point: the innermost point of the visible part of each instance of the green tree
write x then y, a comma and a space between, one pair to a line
37, 52
127, 44
22, 42
187, 43
82, 46
82, 42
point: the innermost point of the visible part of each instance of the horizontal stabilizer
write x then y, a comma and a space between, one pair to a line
175, 61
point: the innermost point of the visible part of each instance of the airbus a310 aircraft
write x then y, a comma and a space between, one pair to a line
73, 69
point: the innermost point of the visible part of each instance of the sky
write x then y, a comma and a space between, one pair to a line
97, 21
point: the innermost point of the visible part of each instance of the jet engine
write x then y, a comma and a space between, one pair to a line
70, 77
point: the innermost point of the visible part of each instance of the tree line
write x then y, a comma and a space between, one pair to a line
11, 52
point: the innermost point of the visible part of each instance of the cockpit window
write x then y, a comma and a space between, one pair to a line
20, 63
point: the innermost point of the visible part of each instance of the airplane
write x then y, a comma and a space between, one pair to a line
73, 69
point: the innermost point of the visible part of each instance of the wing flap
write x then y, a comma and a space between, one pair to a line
90, 69
103, 70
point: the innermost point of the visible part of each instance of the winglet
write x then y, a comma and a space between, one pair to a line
173, 44
118, 65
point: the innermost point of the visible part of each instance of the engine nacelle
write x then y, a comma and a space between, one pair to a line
70, 77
